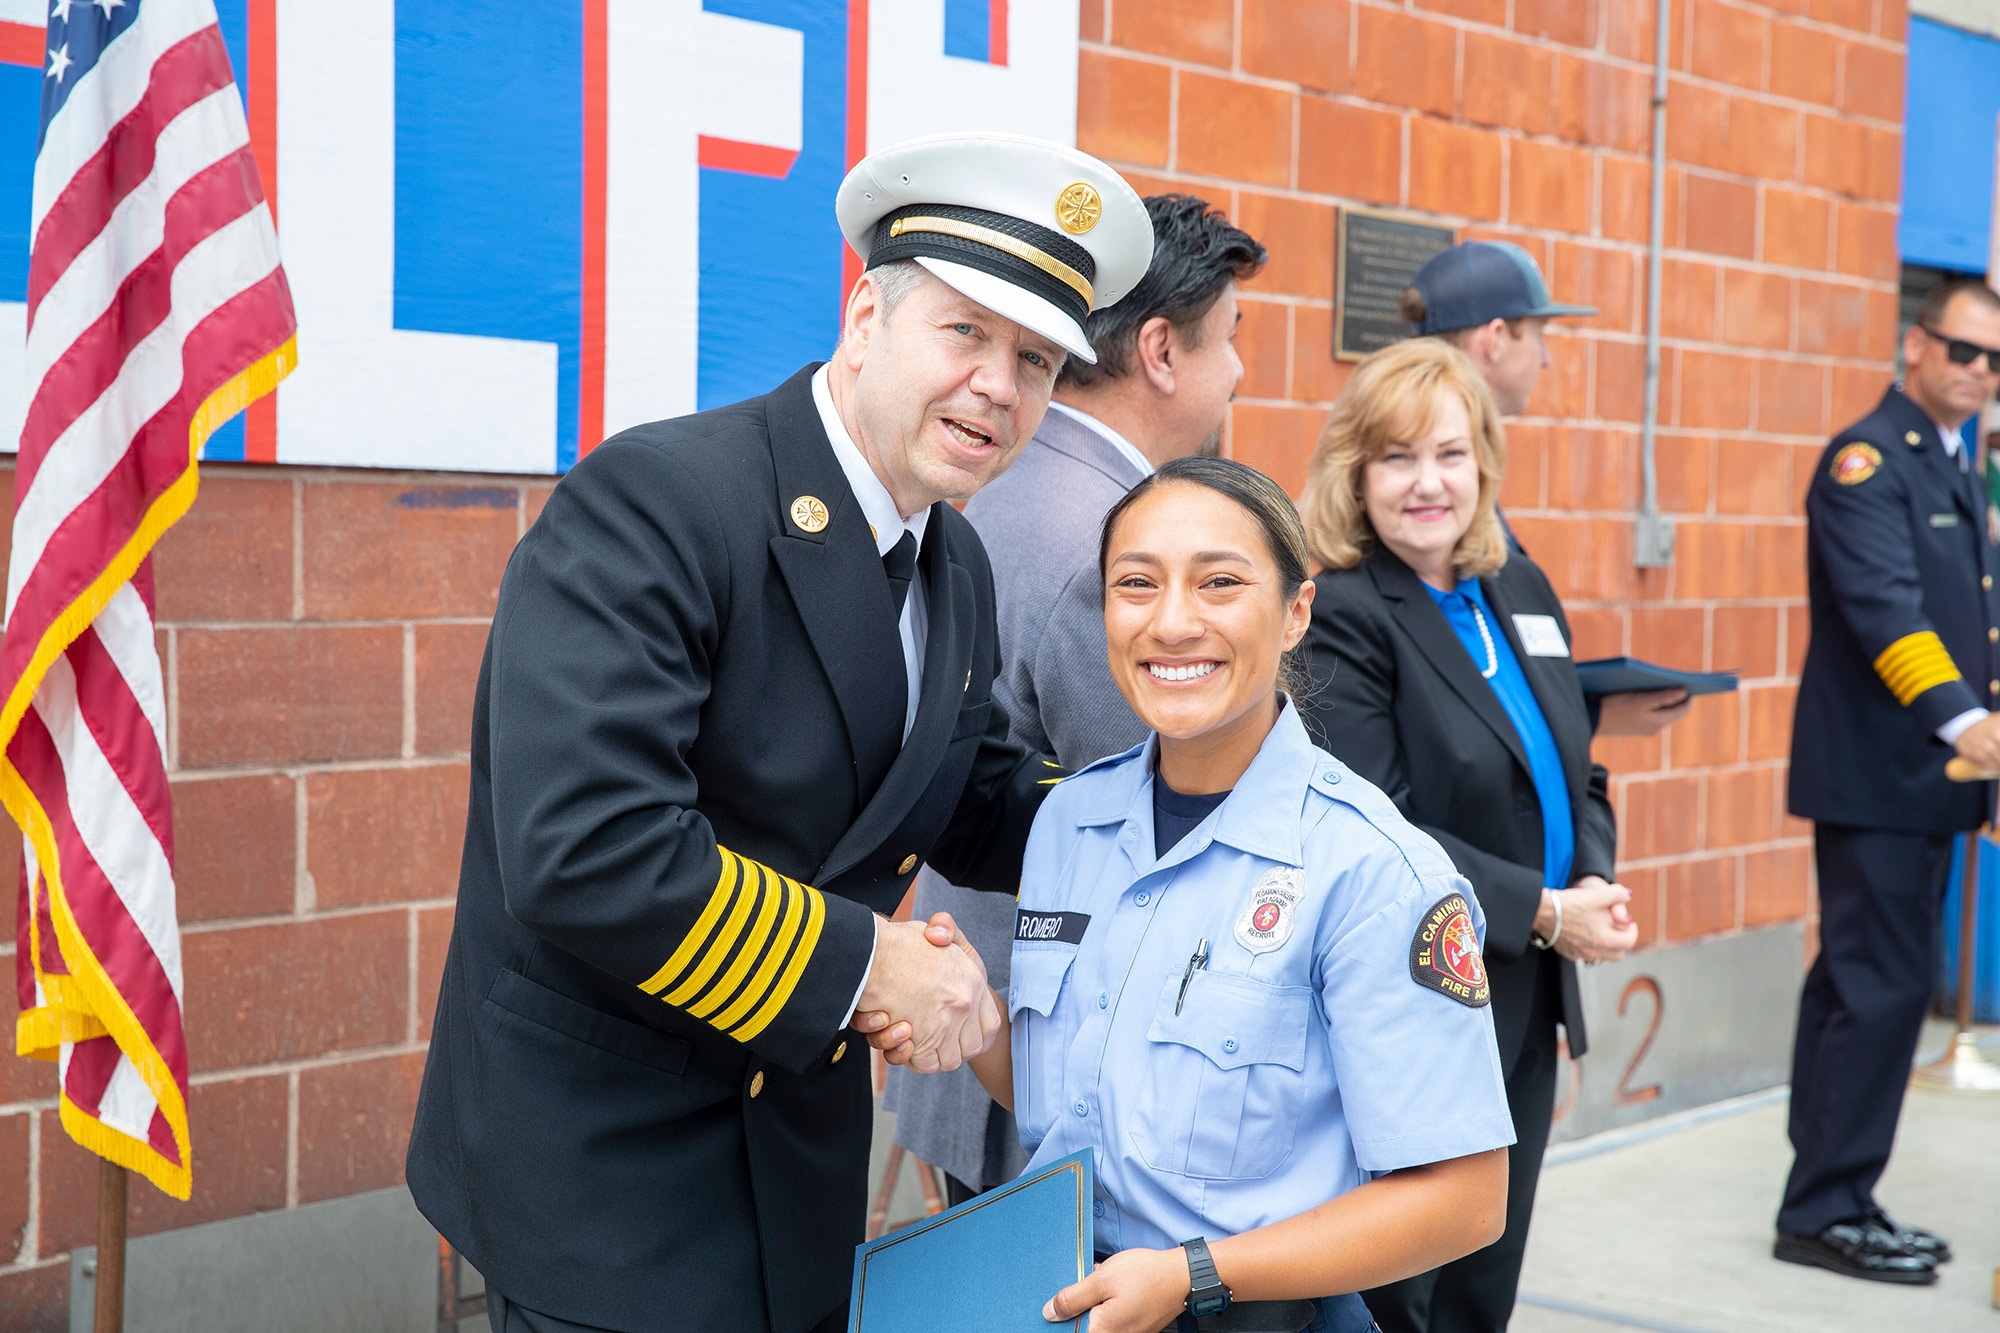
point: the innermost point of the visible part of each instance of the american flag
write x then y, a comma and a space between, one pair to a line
157, 310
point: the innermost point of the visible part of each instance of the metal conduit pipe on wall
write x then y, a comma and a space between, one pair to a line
1653, 541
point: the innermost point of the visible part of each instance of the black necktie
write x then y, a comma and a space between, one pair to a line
899, 562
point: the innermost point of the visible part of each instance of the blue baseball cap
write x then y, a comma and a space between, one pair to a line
1476, 281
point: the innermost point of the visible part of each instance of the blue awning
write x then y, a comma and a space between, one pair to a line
1952, 102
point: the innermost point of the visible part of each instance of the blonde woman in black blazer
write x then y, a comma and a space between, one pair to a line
1400, 506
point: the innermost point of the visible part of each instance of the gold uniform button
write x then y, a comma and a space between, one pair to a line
809, 513
838, 1051
1993, 686
1993, 636
909, 864
756, 1083
1986, 582
1912, 439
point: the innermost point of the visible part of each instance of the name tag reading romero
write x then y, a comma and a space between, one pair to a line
1050, 927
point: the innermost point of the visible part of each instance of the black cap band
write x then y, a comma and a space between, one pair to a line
1031, 257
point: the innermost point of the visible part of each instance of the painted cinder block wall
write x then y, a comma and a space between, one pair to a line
321, 629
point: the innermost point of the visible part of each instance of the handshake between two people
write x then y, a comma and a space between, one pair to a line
927, 1003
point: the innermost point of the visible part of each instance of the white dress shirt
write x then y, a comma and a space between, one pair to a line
879, 508
1957, 726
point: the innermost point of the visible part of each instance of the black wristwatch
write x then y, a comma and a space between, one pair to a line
1206, 1294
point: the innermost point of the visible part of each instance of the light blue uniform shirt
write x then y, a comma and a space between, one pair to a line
1517, 698
1306, 1058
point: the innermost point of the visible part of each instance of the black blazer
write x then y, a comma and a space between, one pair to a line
1900, 579
1396, 696
637, 1111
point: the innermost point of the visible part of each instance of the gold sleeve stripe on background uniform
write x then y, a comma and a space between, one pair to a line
1913, 664
771, 949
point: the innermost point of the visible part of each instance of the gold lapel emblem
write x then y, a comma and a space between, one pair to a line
809, 513
1078, 208
1912, 439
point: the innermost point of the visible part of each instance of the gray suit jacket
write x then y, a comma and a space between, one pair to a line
1039, 522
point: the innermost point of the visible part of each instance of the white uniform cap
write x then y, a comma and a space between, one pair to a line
1040, 234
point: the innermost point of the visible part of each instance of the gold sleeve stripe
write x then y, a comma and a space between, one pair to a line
788, 980
720, 943
1913, 664
752, 944
781, 944
725, 889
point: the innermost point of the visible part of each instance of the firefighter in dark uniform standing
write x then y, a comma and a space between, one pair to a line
738, 687
1902, 672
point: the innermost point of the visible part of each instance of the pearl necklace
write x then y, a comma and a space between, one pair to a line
1486, 635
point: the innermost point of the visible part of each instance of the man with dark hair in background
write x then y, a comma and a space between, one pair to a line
1902, 673
1166, 370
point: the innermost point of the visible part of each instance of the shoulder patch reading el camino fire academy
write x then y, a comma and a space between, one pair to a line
1855, 463
1444, 953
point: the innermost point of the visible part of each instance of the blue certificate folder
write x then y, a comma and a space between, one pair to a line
1624, 675
986, 1266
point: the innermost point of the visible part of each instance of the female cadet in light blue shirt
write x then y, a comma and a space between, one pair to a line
1240, 976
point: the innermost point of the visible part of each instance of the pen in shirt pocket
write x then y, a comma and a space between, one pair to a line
1199, 958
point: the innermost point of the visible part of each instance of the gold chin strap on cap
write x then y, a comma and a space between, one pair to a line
1913, 664
737, 969
998, 240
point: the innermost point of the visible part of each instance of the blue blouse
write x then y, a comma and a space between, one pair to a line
1462, 611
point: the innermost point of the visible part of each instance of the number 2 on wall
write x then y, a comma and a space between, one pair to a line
1628, 1095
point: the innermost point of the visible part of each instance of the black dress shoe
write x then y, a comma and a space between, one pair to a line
1858, 1248
1915, 1239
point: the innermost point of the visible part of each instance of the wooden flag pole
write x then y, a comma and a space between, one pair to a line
110, 1247
1963, 1068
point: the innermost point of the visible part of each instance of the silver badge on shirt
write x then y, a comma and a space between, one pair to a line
1266, 921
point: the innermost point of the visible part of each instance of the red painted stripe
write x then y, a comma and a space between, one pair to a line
242, 331
91, 1065
89, 366
260, 96
590, 348
996, 40
120, 947
189, 71
22, 44
118, 725
857, 122
756, 159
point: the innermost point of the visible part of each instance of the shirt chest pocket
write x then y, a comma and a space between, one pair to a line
1036, 978
1226, 1077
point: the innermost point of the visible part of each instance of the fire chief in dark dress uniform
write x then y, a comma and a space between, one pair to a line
736, 690
1903, 668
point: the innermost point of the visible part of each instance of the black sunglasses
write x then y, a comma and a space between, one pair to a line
1963, 353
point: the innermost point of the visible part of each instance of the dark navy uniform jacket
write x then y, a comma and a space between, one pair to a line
1900, 575
690, 792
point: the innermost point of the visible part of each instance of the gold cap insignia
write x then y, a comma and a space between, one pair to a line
1078, 208
1912, 439
809, 513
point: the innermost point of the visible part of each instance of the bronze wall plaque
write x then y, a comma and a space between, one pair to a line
1376, 256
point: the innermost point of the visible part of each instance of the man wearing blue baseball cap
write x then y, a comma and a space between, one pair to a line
1488, 299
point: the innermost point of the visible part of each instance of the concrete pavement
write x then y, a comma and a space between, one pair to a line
1667, 1226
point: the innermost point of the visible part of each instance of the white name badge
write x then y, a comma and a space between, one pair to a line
1540, 636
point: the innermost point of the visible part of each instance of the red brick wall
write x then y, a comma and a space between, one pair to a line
1528, 120
321, 629
320, 633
